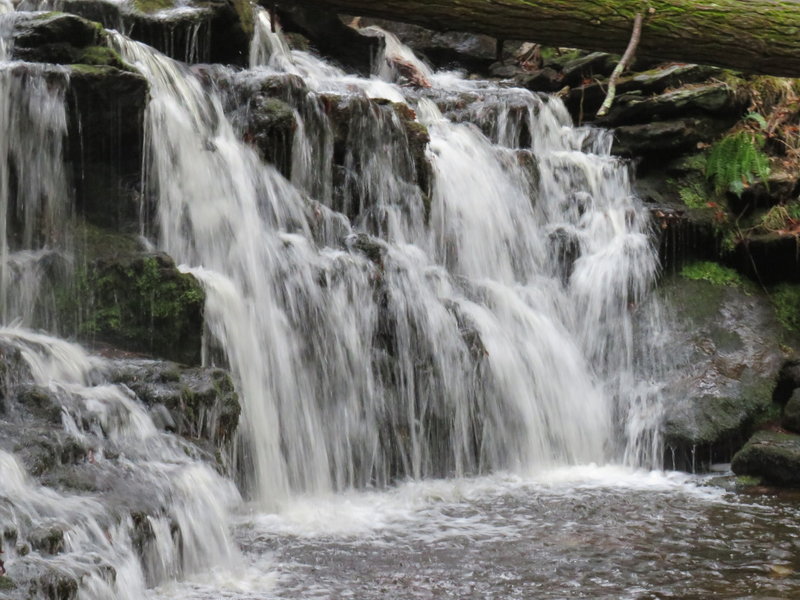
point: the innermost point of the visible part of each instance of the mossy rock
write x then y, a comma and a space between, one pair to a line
145, 304
773, 457
131, 298
727, 357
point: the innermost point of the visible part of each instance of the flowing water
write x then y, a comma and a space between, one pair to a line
448, 367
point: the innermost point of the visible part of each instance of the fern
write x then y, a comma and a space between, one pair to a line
737, 161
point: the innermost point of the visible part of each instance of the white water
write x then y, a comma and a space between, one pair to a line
161, 475
341, 389
498, 336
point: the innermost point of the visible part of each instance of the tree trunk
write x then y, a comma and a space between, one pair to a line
759, 36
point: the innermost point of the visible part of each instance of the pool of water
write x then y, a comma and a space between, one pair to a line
576, 533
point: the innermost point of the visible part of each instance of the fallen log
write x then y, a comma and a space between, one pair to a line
757, 36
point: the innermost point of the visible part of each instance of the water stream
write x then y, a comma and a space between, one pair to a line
449, 371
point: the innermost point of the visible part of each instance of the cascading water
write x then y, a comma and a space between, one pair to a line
477, 304
163, 512
459, 347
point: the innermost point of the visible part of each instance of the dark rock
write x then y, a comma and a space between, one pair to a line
727, 358
55, 38
331, 37
791, 413
585, 100
769, 257
271, 124
444, 50
711, 99
665, 137
106, 112
788, 382
576, 71
131, 298
542, 80
772, 456
47, 539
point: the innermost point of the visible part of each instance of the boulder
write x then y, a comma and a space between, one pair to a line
132, 298
727, 355
772, 456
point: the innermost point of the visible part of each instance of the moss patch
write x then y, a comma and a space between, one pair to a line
151, 6
713, 273
786, 299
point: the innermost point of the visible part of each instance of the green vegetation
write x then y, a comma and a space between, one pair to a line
786, 299
713, 273
151, 6
737, 161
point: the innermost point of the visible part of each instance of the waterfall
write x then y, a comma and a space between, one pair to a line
500, 335
97, 541
34, 199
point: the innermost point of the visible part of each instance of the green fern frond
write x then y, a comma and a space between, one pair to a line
736, 161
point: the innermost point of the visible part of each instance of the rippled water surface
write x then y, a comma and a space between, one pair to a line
577, 533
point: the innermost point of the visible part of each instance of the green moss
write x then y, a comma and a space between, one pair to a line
713, 273
244, 8
134, 300
786, 300
694, 194
101, 56
748, 481
6, 583
151, 6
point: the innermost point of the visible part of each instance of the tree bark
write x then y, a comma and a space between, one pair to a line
758, 36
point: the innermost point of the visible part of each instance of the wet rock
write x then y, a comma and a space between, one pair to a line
791, 413
576, 71
106, 111
196, 32
47, 539
331, 37
541, 80
727, 358
769, 257
772, 456
40, 403
585, 100
198, 403
55, 38
444, 50
271, 124
131, 298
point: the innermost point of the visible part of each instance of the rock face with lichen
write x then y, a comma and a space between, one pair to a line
728, 356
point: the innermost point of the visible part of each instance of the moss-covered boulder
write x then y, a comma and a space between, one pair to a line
58, 38
727, 357
772, 456
131, 298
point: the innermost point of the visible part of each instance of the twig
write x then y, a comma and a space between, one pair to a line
623, 63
